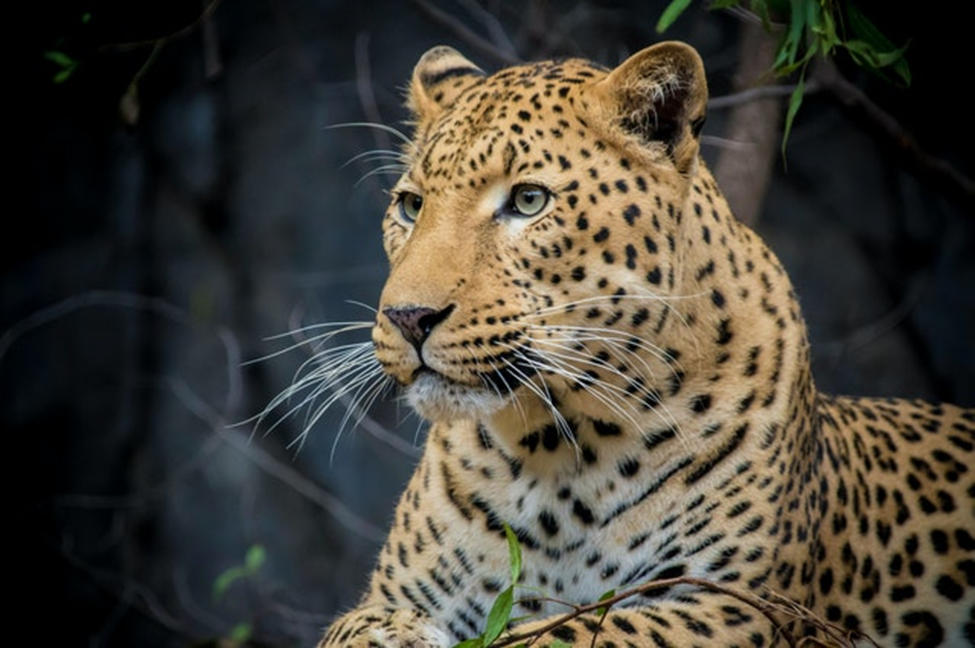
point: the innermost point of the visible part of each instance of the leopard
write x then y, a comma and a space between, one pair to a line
616, 372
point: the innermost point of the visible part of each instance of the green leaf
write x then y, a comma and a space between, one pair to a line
601, 611
795, 101
241, 633
255, 558
499, 615
253, 561
864, 29
476, 642
793, 38
60, 59
869, 58
671, 14
222, 583
724, 4
514, 554
63, 75
558, 643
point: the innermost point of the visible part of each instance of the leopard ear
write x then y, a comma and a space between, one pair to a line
660, 94
440, 76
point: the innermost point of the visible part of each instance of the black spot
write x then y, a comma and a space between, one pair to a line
701, 403
578, 273
724, 332
582, 512
964, 540
630, 256
717, 298
939, 539
530, 441
631, 213
549, 524
675, 571
826, 581
601, 235
949, 588
606, 429
640, 317
550, 437
564, 163
629, 467
902, 593
588, 454
564, 632
932, 634
623, 625
654, 276
650, 244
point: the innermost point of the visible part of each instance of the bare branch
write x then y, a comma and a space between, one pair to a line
772, 607
464, 33
886, 127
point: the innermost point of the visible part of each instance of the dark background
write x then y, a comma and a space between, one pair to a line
148, 257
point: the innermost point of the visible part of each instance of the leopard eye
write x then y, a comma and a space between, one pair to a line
528, 200
410, 205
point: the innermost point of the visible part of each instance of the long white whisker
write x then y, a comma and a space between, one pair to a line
383, 127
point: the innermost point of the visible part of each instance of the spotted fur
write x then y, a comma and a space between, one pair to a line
618, 369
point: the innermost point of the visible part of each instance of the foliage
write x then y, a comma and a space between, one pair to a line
253, 561
66, 65
811, 28
500, 614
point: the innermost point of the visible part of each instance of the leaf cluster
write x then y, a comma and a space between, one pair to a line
812, 28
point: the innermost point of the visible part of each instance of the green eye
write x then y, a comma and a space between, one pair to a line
410, 205
528, 200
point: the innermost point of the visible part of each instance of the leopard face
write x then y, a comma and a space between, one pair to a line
536, 243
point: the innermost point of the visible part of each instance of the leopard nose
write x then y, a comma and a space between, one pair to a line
416, 322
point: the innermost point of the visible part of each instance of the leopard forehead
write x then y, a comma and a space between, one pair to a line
500, 118
544, 124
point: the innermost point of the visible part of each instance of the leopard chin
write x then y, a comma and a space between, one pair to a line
438, 399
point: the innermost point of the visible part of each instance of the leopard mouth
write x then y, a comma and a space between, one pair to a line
436, 396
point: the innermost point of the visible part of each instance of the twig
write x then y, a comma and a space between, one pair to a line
768, 607
761, 92
492, 25
886, 126
90, 299
464, 33
162, 40
274, 468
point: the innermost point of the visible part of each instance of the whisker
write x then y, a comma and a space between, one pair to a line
566, 360
383, 127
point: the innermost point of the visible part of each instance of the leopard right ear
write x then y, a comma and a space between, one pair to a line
440, 76
659, 95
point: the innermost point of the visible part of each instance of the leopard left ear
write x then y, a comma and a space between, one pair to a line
440, 76
660, 94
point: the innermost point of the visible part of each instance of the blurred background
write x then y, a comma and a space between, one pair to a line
184, 197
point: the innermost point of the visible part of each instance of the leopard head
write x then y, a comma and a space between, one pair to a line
535, 241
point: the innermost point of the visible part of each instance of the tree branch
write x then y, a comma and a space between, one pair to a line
885, 127
463, 32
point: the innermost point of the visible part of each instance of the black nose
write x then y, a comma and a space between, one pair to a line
416, 322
